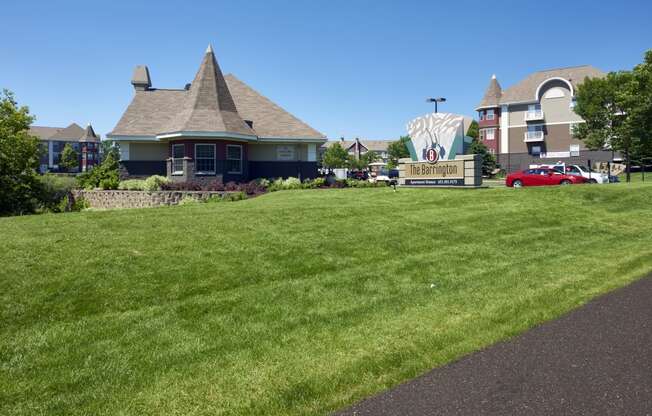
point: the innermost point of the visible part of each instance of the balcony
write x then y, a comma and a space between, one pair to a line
534, 115
533, 136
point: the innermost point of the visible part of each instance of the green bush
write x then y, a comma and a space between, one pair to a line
214, 199
53, 189
155, 182
104, 176
132, 185
188, 200
77, 204
235, 196
292, 183
319, 182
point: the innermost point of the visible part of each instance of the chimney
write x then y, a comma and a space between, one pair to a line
140, 79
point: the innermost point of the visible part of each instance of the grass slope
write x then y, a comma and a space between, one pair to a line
297, 302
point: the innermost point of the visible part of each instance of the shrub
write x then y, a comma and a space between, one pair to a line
214, 199
188, 200
262, 182
215, 185
235, 196
319, 182
292, 183
132, 185
253, 188
53, 189
104, 176
70, 204
182, 186
155, 183
231, 186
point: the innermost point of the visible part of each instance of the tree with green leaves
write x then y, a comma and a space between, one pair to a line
109, 146
105, 176
617, 111
367, 158
397, 150
473, 130
69, 158
19, 158
488, 160
335, 157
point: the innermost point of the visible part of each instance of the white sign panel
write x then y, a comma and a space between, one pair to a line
285, 153
437, 136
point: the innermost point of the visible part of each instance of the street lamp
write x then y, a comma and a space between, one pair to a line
435, 100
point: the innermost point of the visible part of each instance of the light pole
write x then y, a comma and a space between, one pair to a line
436, 100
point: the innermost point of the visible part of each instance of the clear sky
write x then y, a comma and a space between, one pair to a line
348, 68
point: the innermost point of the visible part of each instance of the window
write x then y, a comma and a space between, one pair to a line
481, 115
535, 151
574, 150
205, 159
178, 153
234, 158
490, 114
490, 134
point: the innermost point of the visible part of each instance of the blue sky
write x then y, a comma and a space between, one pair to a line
348, 68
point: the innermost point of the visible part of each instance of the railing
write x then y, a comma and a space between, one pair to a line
532, 115
534, 136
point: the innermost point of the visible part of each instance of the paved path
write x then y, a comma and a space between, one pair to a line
597, 360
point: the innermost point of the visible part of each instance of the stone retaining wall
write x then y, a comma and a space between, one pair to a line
140, 199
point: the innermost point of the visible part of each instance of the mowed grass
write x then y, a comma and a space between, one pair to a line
297, 302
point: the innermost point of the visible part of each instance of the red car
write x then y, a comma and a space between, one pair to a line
541, 177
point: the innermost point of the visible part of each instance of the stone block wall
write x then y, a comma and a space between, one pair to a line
140, 199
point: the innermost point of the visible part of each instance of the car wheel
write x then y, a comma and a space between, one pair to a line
517, 184
565, 182
592, 181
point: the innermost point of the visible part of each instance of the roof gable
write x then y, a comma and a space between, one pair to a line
72, 132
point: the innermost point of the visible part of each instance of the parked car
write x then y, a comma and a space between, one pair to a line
359, 174
591, 176
542, 177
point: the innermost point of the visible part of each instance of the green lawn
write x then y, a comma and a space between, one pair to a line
296, 302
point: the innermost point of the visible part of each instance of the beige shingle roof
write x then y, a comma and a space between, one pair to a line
214, 103
208, 105
526, 89
269, 119
374, 145
43, 132
492, 95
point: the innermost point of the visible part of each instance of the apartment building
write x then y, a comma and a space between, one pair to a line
53, 139
532, 121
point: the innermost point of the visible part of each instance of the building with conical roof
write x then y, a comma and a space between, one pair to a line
532, 121
216, 128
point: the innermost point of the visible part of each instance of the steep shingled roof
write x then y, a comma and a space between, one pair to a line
89, 135
209, 106
214, 103
492, 95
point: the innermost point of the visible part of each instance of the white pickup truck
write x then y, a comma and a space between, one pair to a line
592, 176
